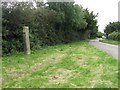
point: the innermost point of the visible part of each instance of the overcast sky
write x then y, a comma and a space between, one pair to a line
107, 9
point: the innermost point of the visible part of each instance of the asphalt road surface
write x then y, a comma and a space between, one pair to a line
109, 48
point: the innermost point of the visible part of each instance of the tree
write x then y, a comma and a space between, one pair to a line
72, 19
111, 27
100, 34
91, 30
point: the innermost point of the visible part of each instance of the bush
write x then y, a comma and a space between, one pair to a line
114, 36
49, 25
99, 34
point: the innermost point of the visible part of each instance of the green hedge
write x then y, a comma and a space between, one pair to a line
114, 36
49, 25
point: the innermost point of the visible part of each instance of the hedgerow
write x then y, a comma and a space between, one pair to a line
50, 24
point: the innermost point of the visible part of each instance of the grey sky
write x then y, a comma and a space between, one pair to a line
107, 9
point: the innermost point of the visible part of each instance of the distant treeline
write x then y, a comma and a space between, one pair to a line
50, 23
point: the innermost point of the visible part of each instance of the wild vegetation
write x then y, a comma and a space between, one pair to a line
50, 23
112, 31
114, 36
63, 62
100, 34
73, 65
110, 41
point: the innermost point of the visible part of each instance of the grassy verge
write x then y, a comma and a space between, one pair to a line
111, 42
74, 65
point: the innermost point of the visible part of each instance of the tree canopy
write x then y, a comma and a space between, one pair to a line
111, 27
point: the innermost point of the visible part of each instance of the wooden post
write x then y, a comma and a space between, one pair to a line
119, 11
26, 39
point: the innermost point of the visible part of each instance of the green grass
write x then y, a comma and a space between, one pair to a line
71, 65
111, 42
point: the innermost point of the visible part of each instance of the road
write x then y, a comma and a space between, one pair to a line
109, 48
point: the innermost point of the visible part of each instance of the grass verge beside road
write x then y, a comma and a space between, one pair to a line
110, 42
73, 65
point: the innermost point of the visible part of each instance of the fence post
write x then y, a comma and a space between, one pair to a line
119, 11
26, 39
119, 31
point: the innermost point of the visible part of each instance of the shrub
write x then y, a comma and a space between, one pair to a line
49, 25
99, 35
114, 36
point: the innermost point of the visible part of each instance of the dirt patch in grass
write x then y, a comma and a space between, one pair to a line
15, 74
80, 61
53, 59
98, 71
60, 76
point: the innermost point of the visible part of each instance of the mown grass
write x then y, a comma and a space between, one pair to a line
110, 42
74, 65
